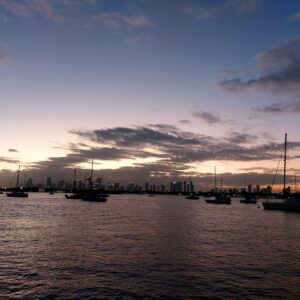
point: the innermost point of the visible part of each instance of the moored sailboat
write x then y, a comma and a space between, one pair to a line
17, 192
221, 198
93, 195
289, 202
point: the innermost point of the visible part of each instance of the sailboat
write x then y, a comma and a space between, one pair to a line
221, 198
75, 195
289, 203
93, 195
17, 193
192, 196
248, 198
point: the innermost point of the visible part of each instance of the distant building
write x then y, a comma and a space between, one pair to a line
131, 187
176, 187
192, 189
61, 184
147, 186
29, 183
250, 188
49, 182
98, 183
116, 186
258, 188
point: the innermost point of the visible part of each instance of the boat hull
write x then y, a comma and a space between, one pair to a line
75, 196
218, 201
289, 205
94, 199
192, 197
248, 201
17, 195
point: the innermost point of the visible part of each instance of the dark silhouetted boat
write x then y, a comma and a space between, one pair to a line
74, 196
93, 195
220, 198
249, 199
18, 193
192, 197
289, 202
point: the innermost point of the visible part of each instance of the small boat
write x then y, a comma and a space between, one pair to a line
219, 199
192, 197
289, 203
51, 193
17, 193
93, 195
249, 199
74, 196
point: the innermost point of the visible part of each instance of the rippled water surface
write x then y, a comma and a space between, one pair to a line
137, 247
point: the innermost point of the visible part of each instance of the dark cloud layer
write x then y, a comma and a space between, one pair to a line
172, 151
280, 69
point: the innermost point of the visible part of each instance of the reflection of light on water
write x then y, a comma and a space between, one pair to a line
147, 247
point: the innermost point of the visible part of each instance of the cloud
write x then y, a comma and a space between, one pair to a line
213, 11
241, 138
280, 68
116, 20
8, 160
244, 6
184, 121
295, 17
32, 7
137, 21
279, 107
207, 117
13, 150
155, 152
201, 13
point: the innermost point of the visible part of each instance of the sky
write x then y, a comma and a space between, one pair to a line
154, 90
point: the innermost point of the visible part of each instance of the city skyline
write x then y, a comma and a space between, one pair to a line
153, 90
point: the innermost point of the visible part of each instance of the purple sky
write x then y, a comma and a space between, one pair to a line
156, 90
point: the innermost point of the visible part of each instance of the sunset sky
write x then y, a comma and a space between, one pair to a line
155, 90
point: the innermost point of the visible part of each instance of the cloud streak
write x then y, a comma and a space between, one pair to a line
207, 117
214, 11
116, 20
31, 8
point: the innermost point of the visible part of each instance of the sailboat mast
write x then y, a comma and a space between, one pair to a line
18, 176
74, 179
284, 168
92, 170
215, 179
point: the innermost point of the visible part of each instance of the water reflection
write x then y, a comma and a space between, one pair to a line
136, 246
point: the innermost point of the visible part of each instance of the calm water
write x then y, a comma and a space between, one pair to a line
135, 247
